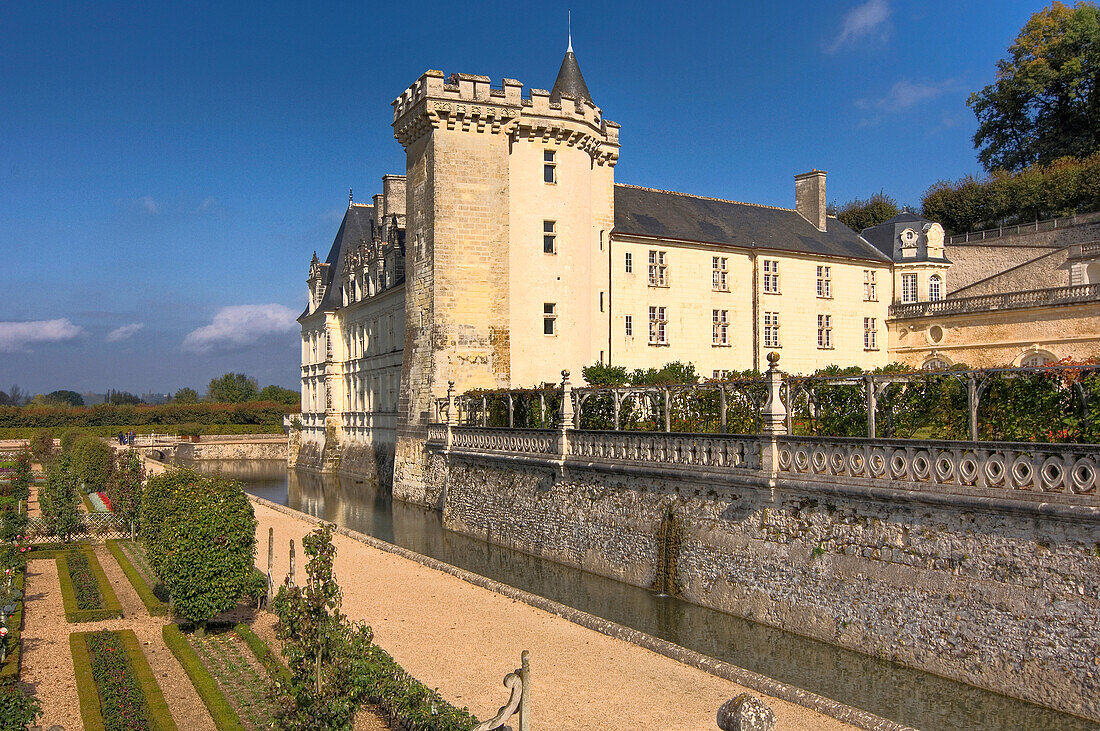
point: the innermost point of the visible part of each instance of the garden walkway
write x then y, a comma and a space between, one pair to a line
48, 662
462, 639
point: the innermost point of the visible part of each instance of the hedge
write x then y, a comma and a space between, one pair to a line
155, 606
225, 718
274, 666
107, 432
110, 607
42, 417
157, 713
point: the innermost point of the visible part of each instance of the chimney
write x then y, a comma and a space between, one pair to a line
809, 196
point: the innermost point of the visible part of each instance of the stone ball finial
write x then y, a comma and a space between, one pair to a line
745, 713
565, 373
773, 359
450, 384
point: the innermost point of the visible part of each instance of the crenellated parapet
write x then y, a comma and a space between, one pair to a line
468, 103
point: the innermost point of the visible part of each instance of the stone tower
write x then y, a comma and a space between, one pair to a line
490, 174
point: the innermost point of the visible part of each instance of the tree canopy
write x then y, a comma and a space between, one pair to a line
859, 214
186, 396
233, 388
65, 398
279, 395
1045, 102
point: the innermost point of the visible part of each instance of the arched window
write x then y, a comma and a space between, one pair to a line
935, 288
1036, 359
935, 364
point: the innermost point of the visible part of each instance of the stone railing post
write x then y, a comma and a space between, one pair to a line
775, 418
872, 405
452, 414
566, 424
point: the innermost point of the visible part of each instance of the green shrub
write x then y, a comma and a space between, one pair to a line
201, 541
60, 501
92, 459
69, 438
124, 488
17, 709
42, 446
189, 430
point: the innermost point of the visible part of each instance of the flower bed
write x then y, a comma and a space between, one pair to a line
85, 591
100, 502
9, 670
117, 689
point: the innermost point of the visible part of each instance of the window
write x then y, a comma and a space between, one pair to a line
908, 287
549, 319
870, 334
870, 294
935, 288
601, 301
629, 322
549, 237
719, 375
1036, 360
824, 331
658, 269
629, 263
771, 329
720, 327
658, 326
771, 276
549, 166
824, 282
719, 274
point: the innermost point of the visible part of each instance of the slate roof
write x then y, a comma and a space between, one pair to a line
885, 236
570, 82
358, 225
659, 213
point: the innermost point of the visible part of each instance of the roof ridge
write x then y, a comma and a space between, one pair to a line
704, 197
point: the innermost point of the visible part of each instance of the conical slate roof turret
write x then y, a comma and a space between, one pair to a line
570, 82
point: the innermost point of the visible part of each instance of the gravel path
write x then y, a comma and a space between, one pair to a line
48, 663
462, 639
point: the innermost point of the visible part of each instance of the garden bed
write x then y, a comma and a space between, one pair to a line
228, 674
9, 671
134, 563
85, 591
117, 688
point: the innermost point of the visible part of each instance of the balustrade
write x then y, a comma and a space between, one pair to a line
1040, 468
683, 450
1078, 294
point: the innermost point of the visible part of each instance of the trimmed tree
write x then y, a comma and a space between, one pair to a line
207, 534
124, 487
42, 446
60, 500
92, 462
69, 438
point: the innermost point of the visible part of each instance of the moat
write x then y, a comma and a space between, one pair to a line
904, 695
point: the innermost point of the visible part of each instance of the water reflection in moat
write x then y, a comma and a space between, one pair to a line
904, 695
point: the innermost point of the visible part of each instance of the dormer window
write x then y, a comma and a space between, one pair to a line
908, 243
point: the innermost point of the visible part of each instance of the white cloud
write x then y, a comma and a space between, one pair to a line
860, 22
903, 95
240, 325
151, 206
19, 336
126, 331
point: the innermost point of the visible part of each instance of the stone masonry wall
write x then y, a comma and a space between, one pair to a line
1005, 601
232, 450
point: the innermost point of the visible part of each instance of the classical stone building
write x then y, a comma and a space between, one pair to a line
507, 253
1021, 296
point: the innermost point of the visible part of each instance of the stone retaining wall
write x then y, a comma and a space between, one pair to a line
199, 451
1005, 600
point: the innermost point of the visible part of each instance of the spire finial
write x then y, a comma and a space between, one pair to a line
351, 198
569, 26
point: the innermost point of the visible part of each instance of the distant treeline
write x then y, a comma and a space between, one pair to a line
46, 417
1064, 187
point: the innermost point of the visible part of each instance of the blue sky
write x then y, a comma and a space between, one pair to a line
166, 171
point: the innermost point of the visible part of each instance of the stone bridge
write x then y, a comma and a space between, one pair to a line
979, 561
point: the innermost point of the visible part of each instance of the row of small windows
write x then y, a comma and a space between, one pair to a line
658, 275
720, 328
